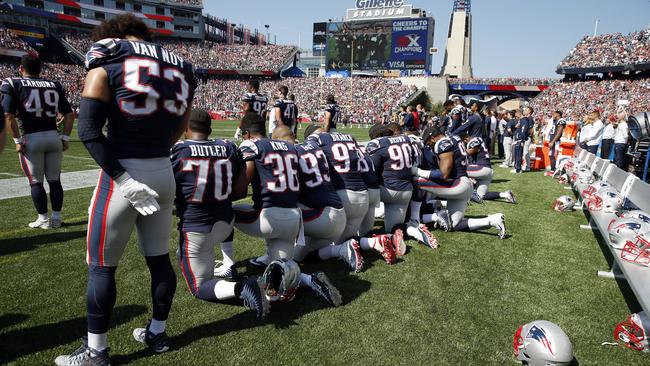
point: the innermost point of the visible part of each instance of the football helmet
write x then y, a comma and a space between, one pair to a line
607, 200
563, 179
281, 280
564, 204
585, 176
633, 332
624, 229
637, 251
542, 343
594, 188
638, 214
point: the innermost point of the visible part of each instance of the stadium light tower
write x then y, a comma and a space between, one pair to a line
458, 55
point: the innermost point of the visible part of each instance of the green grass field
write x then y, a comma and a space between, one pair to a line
459, 305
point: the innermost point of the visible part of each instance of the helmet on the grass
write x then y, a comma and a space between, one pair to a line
281, 280
563, 204
542, 343
624, 229
634, 332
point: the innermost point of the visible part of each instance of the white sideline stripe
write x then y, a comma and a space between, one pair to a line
10, 174
18, 187
79, 157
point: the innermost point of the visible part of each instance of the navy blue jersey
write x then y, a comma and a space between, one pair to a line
522, 133
454, 145
204, 172
555, 128
368, 171
393, 158
344, 158
151, 90
276, 182
482, 157
316, 189
36, 102
510, 125
257, 102
288, 111
335, 114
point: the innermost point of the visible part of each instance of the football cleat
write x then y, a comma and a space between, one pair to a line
443, 221
499, 222
398, 242
387, 250
421, 233
321, 285
262, 261
84, 356
352, 256
511, 197
476, 198
55, 223
254, 298
224, 271
40, 224
158, 343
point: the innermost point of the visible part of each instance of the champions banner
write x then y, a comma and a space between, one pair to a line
410, 39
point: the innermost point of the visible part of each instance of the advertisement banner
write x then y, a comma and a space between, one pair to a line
410, 40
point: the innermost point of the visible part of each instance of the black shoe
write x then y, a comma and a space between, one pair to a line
158, 343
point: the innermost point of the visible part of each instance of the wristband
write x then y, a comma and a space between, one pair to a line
18, 140
65, 138
122, 178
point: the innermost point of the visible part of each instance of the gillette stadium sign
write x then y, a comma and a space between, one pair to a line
379, 9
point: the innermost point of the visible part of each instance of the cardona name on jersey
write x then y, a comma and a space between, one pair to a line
37, 83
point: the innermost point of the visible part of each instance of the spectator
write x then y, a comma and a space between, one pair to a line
610, 50
608, 138
620, 141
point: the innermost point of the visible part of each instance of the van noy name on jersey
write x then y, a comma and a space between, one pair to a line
150, 50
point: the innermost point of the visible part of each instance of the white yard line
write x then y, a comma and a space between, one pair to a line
18, 187
79, 157
10, 174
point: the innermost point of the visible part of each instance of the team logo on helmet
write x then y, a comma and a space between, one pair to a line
539, 335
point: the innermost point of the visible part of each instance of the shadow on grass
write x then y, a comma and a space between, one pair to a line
17, 245
7, 320
22, 342
282, 316
496, 181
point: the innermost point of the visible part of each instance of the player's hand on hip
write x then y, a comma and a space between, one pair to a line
20, 148
140, 195
65, 144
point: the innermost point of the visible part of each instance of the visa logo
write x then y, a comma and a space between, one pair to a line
395, 64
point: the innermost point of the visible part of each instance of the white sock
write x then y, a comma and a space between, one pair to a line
56, 215
227, 252
224, 290
370, 243
478, 224
415, 210
43, 217
157, 326
305, 280
504, 195
330, 251
97, 341
429, 218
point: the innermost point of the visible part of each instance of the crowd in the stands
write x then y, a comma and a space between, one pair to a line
504, 81
613, 49
9, 40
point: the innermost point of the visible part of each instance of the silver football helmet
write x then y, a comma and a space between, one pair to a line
624, 229
585, 176
634, 332
542, 343
606, 200
594, 188
564, 204
281, 280
641, 215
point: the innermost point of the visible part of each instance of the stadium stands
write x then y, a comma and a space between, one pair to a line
70, 76
505, 81
609, 50
9, 40
578, 98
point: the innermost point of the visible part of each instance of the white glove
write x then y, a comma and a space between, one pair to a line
238, 134
140, 195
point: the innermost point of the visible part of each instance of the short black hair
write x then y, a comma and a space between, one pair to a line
283, 90
393, 128
430, 132
376, 131
330, 99
200, 121
31, 63
448, 103
121, 26
559, 113
253, 123
254, 84
292, 97
310, 130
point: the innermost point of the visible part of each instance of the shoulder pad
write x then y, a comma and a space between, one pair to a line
474, 143
100, 52
444, 145
373, 146
249, 150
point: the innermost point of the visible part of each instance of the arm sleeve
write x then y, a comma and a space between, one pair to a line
9, 102
64, 104
92, 117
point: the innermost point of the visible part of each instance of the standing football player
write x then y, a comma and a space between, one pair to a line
346, 164
37, 103
479, 168
145, 92
332, 114
523, 132
206, 172
253, 102
284, 110
449, 181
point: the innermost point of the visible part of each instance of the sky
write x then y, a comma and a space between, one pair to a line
511, 38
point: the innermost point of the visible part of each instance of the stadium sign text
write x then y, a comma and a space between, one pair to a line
379, 9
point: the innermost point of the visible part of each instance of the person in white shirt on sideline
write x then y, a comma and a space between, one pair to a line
620, 141
608, 138
595, 133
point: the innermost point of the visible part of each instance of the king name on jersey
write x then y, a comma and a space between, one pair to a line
279, 145
150, 50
